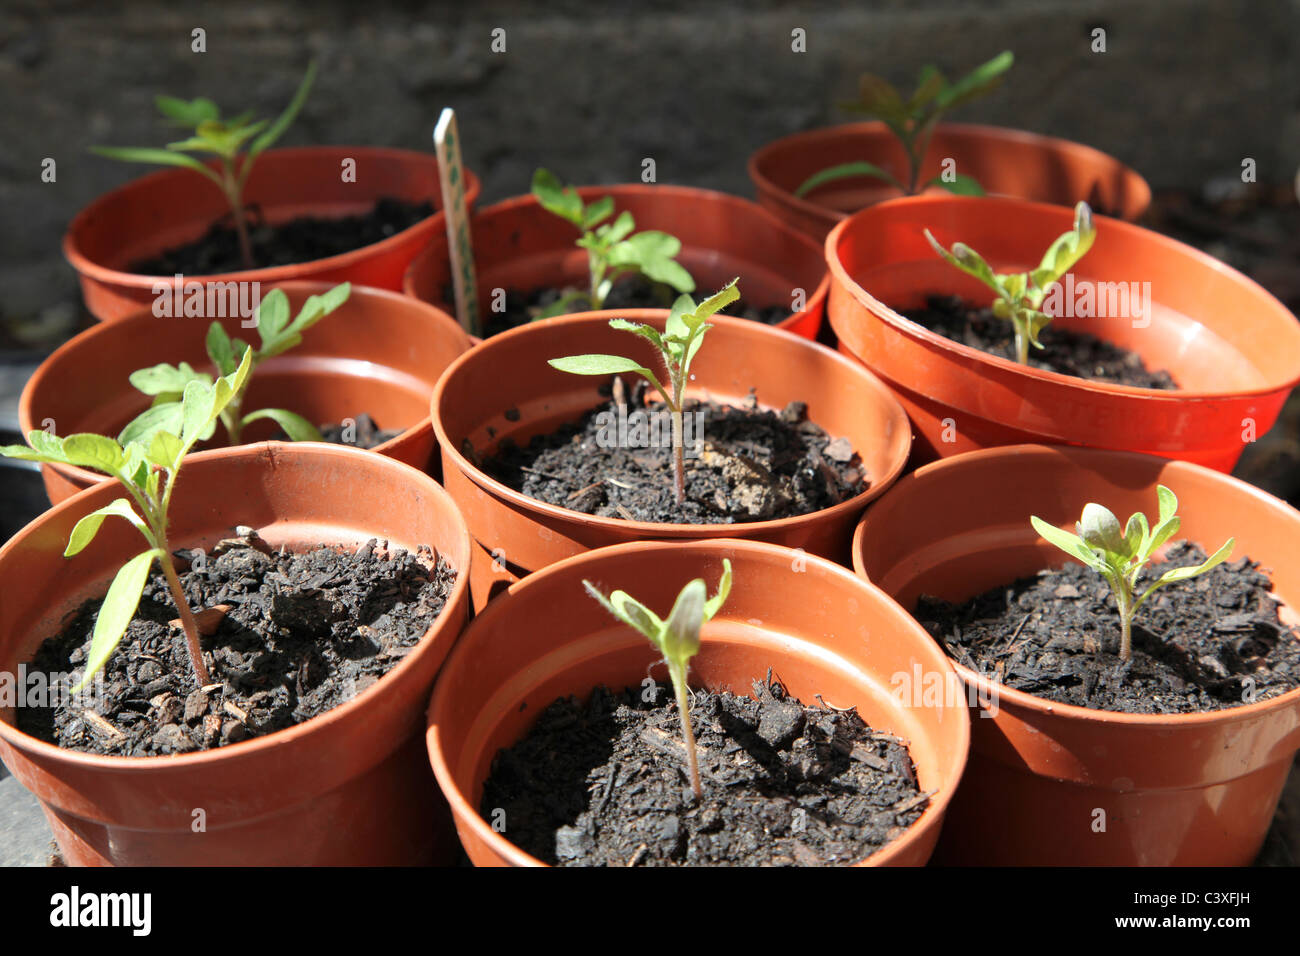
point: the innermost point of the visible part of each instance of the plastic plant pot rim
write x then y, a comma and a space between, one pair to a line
282, 273
87, 477
933, 340
1006, 133
140, 765
520, 500
816, 298
461, 807
1019, 698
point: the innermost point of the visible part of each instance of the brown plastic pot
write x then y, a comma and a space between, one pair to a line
504, 388
1233, 348
176, 206
820, 630
519, 245
380, 353
1007, 162
1197, 789
351, 786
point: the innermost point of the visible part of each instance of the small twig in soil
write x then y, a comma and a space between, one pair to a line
624, 512
818, 698
915, 801
582, 491
856, 751
544, 474
102, 726
636, 857
609, 791
620, 484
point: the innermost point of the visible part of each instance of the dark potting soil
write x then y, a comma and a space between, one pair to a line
604, 783
1070, 353
1206, 644
304, 239
632, 292
753, 465
364, 433
304, 633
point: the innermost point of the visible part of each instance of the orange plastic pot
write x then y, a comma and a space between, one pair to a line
1007, 162
351, 786
504, 388
519, 245
820, 630
379, 353
1233, 349
176, 206
1056, 784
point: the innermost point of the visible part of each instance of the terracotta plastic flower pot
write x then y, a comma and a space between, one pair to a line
1197, 789
818, 628
504, 388
519, 245
176, 206
1233, 349
350, 786
1007, 162
379, 353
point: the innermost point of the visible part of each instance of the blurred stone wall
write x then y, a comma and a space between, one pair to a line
1185, 90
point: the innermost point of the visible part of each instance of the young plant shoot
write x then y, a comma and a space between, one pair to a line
678, 638
681, 339
1020, 294
1119, 555
913, 120
167, 383
147, 468
221, 138
613, 249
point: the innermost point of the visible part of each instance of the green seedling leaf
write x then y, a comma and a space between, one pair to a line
116, 612
1071, 544
220, 350
959, 185
598, 212
294, 425
677, 638
845, 171
1100, 529
1019, 296
978, 82
187, 113
164, 379
613, 250
683, 335
165, 449
647, 332
680, 640
43, 447
285, 119
85, 530
272, 316
616, 231
1120, 557
561, 200
94, 451
166, 417
596, 364
157, 157
1185, 574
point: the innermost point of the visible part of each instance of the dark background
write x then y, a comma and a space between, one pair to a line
1185, 90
